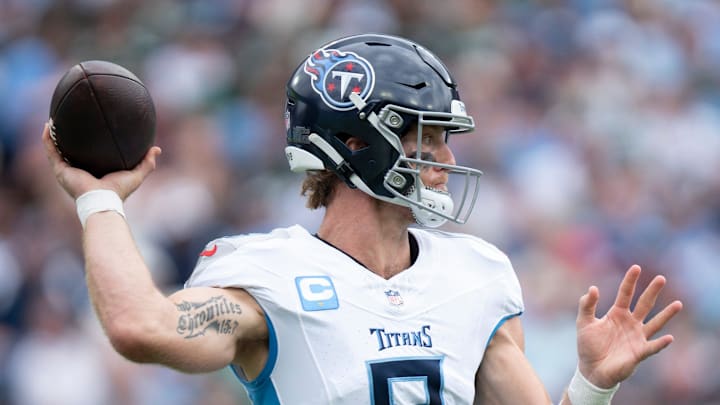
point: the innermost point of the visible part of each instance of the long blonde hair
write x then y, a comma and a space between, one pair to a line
318, 187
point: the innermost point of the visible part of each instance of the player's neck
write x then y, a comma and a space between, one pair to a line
374, 235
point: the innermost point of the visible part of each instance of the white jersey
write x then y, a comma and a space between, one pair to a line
340, 334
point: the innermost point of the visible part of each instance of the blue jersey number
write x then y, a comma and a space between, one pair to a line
406, 381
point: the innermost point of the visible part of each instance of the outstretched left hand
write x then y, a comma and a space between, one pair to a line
611, 347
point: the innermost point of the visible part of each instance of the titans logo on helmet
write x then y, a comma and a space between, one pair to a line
336, 74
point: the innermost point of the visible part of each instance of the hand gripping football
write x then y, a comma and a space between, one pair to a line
102, 118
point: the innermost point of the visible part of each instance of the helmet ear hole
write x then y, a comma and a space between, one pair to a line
354, 143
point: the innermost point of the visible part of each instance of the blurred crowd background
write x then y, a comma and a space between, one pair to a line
598, 129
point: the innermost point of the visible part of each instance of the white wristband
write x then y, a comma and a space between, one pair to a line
583, 392
98, 201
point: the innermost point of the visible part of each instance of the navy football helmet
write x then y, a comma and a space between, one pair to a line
376, 87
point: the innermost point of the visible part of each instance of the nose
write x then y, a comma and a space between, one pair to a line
445, 155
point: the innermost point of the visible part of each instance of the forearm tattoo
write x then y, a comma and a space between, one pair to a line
216, 314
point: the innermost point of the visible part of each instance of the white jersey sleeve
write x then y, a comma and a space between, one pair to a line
223, 260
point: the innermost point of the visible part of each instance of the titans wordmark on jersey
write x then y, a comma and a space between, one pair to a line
341, 334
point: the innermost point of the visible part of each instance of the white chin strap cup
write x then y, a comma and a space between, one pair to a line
436, 201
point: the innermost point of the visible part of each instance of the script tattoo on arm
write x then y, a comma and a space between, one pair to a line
216, 314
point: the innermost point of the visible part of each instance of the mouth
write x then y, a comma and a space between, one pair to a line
440, 188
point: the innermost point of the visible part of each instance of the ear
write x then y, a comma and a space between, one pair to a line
354, 143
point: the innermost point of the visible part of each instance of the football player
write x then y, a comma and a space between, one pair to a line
368, 308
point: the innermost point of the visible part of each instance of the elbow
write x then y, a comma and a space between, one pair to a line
131, 339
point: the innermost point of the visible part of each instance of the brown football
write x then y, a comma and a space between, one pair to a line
102, 117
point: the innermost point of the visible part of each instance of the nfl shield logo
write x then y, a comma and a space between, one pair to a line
394, 298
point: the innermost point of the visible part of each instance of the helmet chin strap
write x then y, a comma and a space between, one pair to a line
435, 201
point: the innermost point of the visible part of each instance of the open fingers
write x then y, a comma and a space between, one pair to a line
587, 307
658, 321
656, 345
647, 299
627, 287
